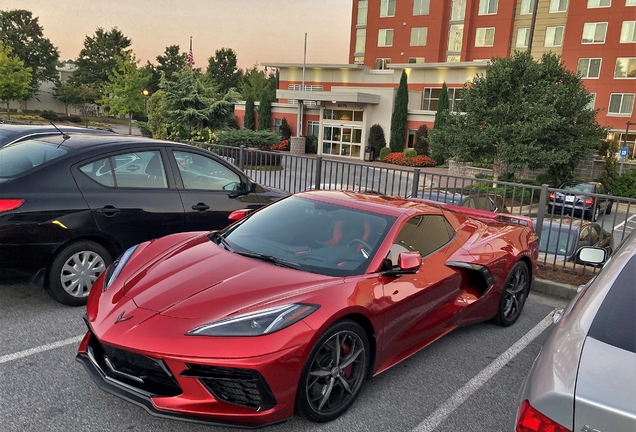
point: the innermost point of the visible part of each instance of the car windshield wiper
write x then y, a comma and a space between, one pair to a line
271, 259
220, 240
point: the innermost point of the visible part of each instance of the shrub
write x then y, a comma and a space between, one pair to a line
248, 138
283, 145
544, 179
377, 140
144, 129
311, 144
50, 116
384, 151
285, 130
624, 185
74, 119
421, 145
409, 153
398, 158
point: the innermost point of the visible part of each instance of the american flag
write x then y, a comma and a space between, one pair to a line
190, 55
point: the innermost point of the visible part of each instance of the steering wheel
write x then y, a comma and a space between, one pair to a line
362, 242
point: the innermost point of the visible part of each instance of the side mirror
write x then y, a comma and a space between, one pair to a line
237, 215
591, 255
408, 263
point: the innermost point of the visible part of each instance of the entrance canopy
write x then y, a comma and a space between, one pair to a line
326, 96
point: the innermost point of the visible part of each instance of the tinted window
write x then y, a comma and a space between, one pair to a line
424, 234
16, 159
558, 241
100, 171
201, 172
615, 322
131, 170
579, 187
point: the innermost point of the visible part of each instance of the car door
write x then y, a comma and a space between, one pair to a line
131, 195
421, 304
210, 189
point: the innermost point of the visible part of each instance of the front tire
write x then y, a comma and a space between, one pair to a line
73, 271
513, 296
334, 372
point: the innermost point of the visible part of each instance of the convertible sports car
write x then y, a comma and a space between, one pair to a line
291, 308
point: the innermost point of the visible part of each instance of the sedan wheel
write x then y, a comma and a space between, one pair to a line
513, 296
334, 372
74, 270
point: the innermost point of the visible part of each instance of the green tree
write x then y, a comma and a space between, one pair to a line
376, 139
248, 123
123, 93
443, 105
265, 113
285, 129
155, 78
609, 168
22, 32
421, 145
398, 118
522, 113
97, 59
223, 71
157, 115
15, 78
171, 62
256, 83
68, 94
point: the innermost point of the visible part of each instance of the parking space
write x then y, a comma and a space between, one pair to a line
466, 381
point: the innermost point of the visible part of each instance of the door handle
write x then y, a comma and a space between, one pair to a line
200, 207
108, 211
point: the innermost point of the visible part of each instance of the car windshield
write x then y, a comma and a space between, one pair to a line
18, 158
558, 241
311, 235
579, 187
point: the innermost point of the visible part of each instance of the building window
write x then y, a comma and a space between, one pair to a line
421, 7
590, 104
553, 36
458, 10
363, 7
361, 39
628, 32
417, 60
382, 63
591, 4
558, 5
630, 2
594, 33
297, 87
526, 7
387, 8
277, 123
359, 60
418, 36
589, 67
312, 128
455, 35
621, 103
343, 115
385, 37
431, 98
625, 67
488, 7
523, 37
485, 37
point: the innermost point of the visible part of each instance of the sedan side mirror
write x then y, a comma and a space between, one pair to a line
408, 263
592, 255
237, 215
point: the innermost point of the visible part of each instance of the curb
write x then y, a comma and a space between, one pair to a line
554, 289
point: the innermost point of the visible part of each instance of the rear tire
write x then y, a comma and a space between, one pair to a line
73, 271
513, 295
608, 209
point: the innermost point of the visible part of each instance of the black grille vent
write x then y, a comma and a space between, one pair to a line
145, 373
244, 387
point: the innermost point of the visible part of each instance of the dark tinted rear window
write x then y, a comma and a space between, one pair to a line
21, 157
615, 322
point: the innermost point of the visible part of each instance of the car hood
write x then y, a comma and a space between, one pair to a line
200, 280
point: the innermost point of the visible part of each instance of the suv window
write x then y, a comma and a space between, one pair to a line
424, 234
19, 158
129, 170
615, 321
201, 172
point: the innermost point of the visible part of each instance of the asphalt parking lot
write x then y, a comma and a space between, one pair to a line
466, 381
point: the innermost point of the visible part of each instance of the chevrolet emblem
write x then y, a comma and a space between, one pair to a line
121, 318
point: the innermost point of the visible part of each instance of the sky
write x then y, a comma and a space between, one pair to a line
259, 31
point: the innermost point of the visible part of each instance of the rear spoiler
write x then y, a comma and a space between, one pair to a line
482, 215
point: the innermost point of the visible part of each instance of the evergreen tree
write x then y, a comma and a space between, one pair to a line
285, 130
398, 118
376, 139
265, 114
223, 70
157, 115
248, 123
421, 141
442, 105
97, 59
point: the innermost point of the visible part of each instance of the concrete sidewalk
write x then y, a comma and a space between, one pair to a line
554, 289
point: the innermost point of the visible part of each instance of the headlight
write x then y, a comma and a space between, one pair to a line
117, 266
257, 323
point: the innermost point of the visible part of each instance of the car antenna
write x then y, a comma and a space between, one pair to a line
64, 135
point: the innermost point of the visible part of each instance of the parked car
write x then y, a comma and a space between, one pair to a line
562, 238
482, 201
574, 199
585, 375
12, 133
267, 317
68, 206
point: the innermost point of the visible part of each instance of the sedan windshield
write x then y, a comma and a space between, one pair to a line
309, 235
558, 241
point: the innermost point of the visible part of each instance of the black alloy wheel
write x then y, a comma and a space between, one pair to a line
513, 296
334, 373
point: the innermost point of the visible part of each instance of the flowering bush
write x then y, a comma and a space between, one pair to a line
283, 145
398, 158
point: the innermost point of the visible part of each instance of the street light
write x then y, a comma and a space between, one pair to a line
146, 93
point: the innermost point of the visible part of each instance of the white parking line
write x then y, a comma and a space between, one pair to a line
461, 395
623, 223
26, 353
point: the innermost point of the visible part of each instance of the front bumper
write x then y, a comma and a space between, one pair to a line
192, 389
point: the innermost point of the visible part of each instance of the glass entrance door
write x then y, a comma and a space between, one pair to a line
342, 141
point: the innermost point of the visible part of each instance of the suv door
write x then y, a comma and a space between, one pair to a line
131, 196
210, 189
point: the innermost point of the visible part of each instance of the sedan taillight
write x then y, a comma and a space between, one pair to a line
531, 420
10, 204
589, 201
552, 196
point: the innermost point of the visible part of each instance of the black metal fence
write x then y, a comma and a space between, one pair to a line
563, 219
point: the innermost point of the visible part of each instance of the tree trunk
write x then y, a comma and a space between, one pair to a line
130, 124
497, 168
8, 112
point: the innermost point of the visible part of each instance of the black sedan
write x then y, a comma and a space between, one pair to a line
13, 133
68, 206
575, 198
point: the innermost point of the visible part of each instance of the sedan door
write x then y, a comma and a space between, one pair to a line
131, 196
210, 189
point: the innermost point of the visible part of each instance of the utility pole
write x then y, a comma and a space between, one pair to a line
299, 123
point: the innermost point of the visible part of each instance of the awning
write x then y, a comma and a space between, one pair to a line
325, 96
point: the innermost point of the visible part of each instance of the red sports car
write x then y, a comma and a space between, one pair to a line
291, 308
